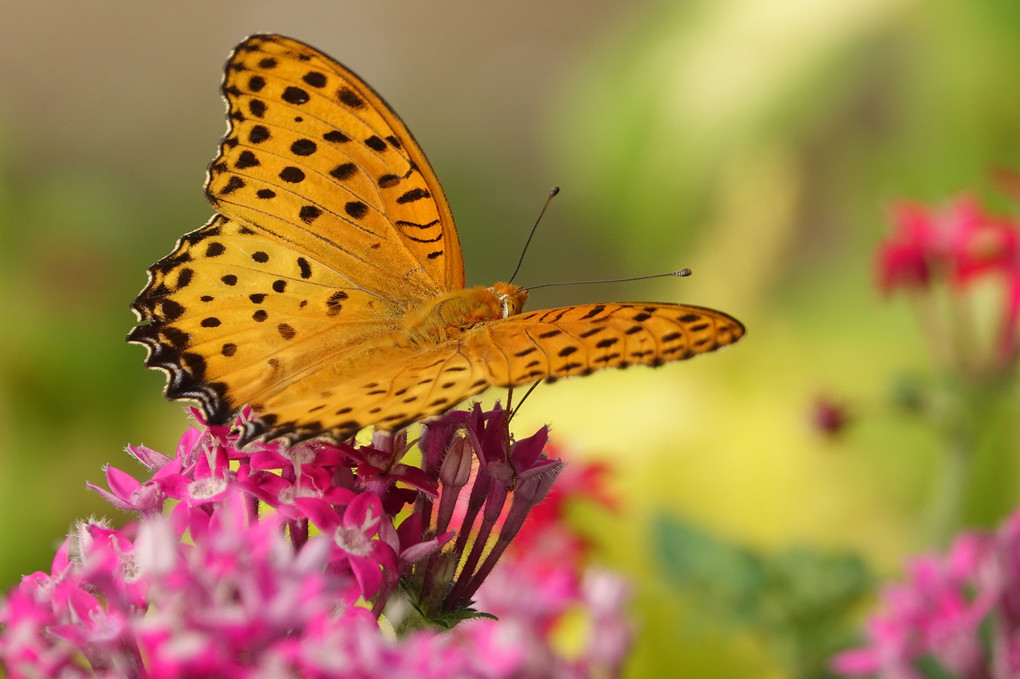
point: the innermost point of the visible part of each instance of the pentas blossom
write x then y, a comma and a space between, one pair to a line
282, 561
957, 615
958, 245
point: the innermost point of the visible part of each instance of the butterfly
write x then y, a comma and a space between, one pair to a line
327, 292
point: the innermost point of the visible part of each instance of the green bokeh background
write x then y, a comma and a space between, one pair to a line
757, 142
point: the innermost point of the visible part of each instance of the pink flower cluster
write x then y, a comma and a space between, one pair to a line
282, 561
956, 615
959, 245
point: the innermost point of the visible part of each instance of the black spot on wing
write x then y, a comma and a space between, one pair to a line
245, 160
375, 143
295, 95
171, 310
315, 79
258, 134
350, 98
292, 175
303, 147
356, 209
413, 195
344, 171
309, 213
233, 184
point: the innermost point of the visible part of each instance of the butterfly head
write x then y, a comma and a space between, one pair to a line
510, 297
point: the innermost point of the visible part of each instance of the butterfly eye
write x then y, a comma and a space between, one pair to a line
507, 303
511, 298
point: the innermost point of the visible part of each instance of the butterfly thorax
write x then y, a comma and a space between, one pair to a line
455, 312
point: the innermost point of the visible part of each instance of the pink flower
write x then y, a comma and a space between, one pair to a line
539, 585
959, 611
278, 562
958, 246
547, 531
352, 538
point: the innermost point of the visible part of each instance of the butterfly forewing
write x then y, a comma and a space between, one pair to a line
314, 157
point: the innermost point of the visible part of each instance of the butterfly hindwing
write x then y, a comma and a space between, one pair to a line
394, 386
388, 386
578, 340
315, 158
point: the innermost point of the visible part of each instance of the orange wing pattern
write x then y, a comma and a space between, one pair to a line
578, 340
393, 388
315, 158
233, 318
328, 293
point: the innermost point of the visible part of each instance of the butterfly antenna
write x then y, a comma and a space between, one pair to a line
681, 273
552, 194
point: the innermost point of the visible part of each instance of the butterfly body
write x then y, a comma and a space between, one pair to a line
448, 317
328, 292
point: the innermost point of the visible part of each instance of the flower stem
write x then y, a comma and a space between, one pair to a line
946, 510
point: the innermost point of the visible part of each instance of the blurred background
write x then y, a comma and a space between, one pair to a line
758, 143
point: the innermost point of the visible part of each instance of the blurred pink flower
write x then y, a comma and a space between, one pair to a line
958, 246
828, 416
960, 611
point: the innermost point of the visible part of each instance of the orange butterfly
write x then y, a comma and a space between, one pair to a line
328, 291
